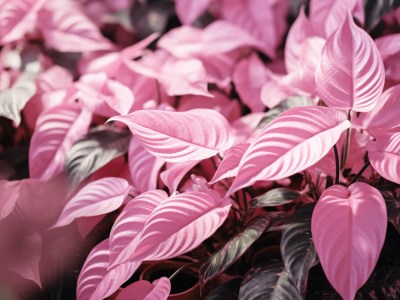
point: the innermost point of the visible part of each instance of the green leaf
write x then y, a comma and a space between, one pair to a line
297, 249
291, 102
270, 281
228, 290
94, 151
233, 249
275, 197
375, 9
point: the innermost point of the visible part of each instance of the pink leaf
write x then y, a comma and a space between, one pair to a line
67, 29
8, 197
177, 225
175, 172
95, 281
180, 136
189, 11
249, 76
264, 20
144, 290
53, 79
17, 18
292, 142
132, 220
348, 229
350, 74
97, 198
229, 166
384, 155
143, 167
388, 47
56, 130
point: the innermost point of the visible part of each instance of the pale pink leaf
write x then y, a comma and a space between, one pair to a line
350, 74
229, 166
180, 136
132, 219
292, 142
177, 225
8, 197
174, 173
388, 45
348, 229
95, 281
144, 290
53, 79
263, 20
249, 76
189, 11
56, 131
143, 167
384, 155
66, 28
96, 198
247, 127
384, 116
17, 18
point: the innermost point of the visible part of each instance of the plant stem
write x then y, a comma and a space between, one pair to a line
360, 172
337, 164
345, 150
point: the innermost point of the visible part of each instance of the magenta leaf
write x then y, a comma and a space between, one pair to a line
384, 155
95, 281
132, 220
56, 131
177, 225
180, 136
97, 198
348, 229
294, 141
67, 29
350, 74
8, 197
189, 11
17, 18
144, 290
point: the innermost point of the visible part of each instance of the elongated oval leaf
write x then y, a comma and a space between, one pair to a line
229, 166
144, 290
298, 251
93, 151
97, 198
294, 141
177, 226
95, 281
233, 249
275, 197
348, 229
56, 131
132, 220
268, 282
350, 74
384, 155
180, 136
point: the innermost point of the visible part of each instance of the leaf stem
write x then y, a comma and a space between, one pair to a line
345, 150
360, 172
337, 164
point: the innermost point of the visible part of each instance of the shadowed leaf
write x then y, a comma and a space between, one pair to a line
94, 151
228, 290
233, 249
298, 251
393, 209
275, 197
268, 282
375, 9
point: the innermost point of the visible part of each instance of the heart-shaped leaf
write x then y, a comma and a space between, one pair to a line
180, 136
93, 151
132, 220
177, 225
97, 198
275, 197
233, 249
268, 282
95, 281
294, 141
384, 155
144, 290
348, 229
56, 131
350, 74
297, 249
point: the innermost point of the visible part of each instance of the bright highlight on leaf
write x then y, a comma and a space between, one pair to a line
348, 229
